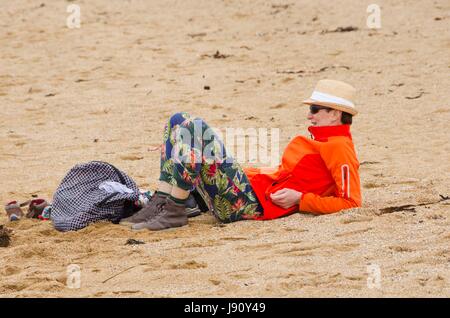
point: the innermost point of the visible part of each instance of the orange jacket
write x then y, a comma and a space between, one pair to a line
325, 170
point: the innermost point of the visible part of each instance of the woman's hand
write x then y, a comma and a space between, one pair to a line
286, 198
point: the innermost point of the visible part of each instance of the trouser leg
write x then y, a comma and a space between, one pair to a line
193, 156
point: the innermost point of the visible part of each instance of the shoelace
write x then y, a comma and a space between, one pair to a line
160, 207
142, 210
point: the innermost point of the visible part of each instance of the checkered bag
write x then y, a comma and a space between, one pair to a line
79, 200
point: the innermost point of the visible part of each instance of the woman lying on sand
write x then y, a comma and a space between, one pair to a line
318, 175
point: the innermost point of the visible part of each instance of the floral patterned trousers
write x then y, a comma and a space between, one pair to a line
193, 156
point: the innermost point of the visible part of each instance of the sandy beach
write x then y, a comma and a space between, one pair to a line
105, 90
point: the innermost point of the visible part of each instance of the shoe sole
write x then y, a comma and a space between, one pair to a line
191, 212
128, 223
167, 229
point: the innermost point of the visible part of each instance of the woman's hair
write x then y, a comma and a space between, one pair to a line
346, 118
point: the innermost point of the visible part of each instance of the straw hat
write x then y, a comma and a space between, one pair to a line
334, 94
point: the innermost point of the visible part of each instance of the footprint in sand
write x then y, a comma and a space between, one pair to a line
296, 253
405, 182
234, 238
299, 249
13, 287
287, 80
287, 276
441, 110
48, 232
356, 219
20, 143
399, 248
10, 270
297, 230
131, 157
100, 112
353, 232
189, 265
49, 286
373, 185
443, 254
278, 106
423, 281
215, 281
35, 110
15, 136
263, 247
354, 278
209, 243
344, 247
413, 261
126, 292
32, 90
240, 275
30, 253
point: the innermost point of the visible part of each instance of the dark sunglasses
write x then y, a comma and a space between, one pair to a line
314, 109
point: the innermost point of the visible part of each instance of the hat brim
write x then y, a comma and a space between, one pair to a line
343, 108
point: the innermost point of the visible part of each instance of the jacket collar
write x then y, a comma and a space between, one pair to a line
322, 133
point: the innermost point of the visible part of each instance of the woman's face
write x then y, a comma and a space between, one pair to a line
325, 117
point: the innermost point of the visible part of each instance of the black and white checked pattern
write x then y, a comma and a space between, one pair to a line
78, 201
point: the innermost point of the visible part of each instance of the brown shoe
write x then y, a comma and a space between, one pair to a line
169, 215
145, 213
